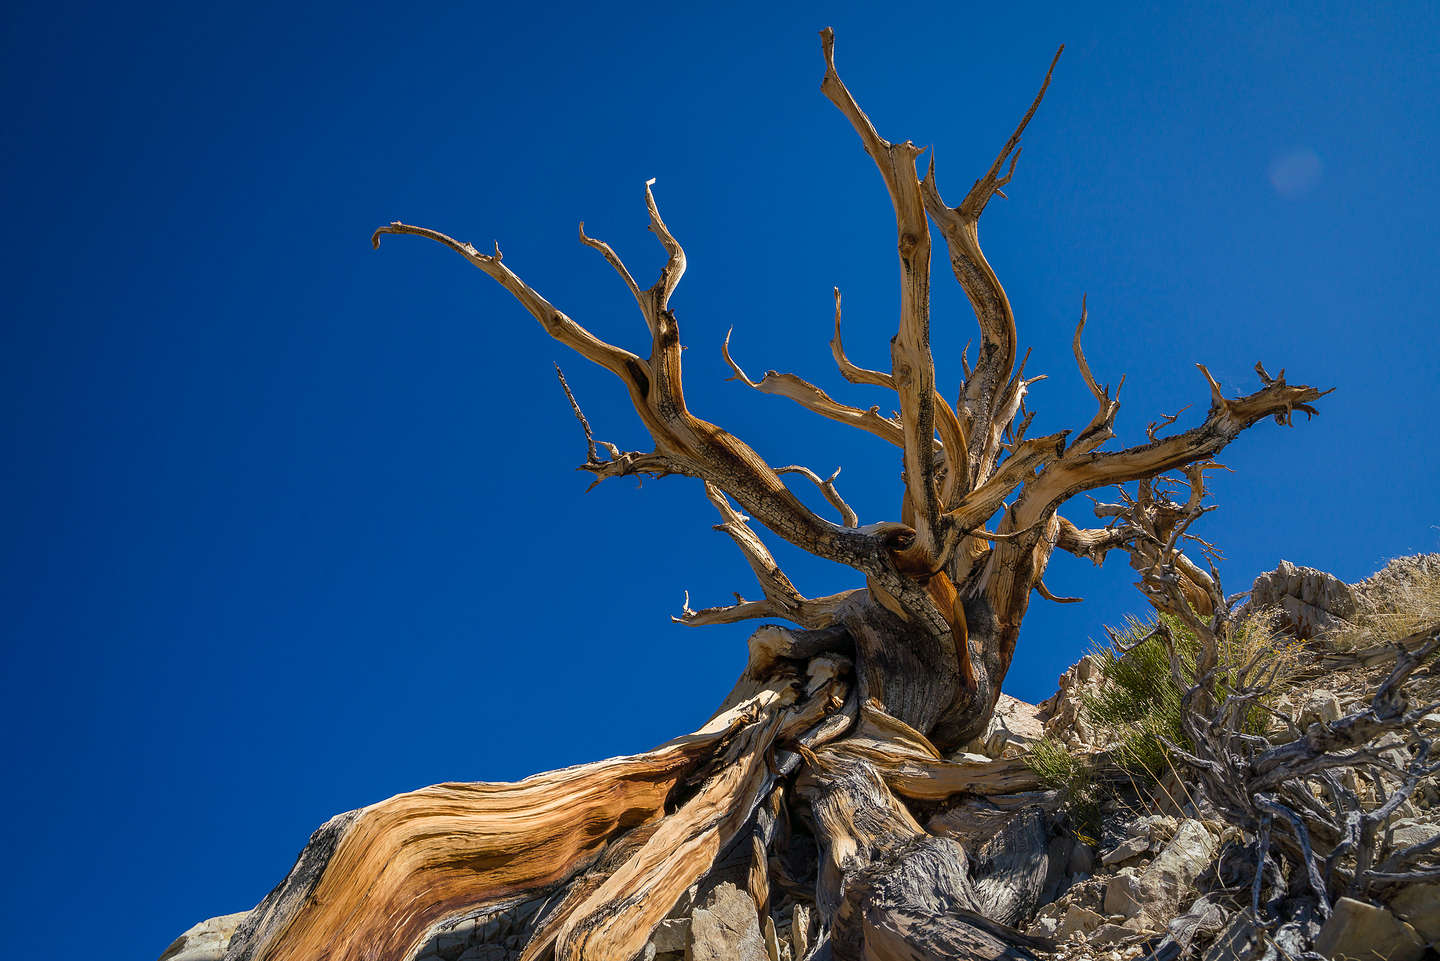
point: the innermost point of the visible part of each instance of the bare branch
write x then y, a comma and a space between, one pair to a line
1092, 543
781, 597
674, 268
1080, 469
1099, 430
812, 398
912, 366
1044, 592
827, 487
990, 184
952, 434
590, 454
957, 455
614, 260
1011, 402
1165, 421
855, 375
620, 362
1089, 378
978, 505
960, 228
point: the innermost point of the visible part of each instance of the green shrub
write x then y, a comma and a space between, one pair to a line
1137, 707
1061, 769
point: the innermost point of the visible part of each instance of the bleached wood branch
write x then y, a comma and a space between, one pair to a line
827, 487
781, 597
855, 375
960, 227
912, 367
814, 399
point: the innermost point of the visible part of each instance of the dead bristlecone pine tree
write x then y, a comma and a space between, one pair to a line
806, 791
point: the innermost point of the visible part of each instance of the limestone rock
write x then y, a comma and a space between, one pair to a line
206, 941
1322, 706
1169, 881
1387, 587
1060, 712
1142, 836
671, 935
800, 929
726, 928
1125, 896
1357, 931
1392, 750
1126, 850
1419, 905
1013, 729
1409, 832
1108, 934
1079, 919
1309, 601
1043, 927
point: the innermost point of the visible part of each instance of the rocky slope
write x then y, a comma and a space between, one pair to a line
1106, 865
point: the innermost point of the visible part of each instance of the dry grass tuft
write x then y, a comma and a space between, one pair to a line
1400, 600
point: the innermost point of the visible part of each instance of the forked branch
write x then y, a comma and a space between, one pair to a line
960, 228
912, 368
814, 399
684, 444
781, 597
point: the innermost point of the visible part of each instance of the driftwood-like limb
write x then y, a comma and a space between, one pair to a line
855, 375
1044, 592
827, 487
781, 597
887, 890
960, 228
674, 267
912, 367
355, 890
812, 398
558, 325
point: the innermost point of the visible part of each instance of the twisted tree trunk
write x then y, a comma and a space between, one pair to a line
811, 775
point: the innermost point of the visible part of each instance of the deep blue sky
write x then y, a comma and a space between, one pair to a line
294, 525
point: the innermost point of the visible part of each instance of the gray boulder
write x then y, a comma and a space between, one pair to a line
1419, 906
1308, 601
206, 941
1357, 931
726, 927
1169, 880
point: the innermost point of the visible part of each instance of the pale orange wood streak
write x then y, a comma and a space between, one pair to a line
911, 766
618, 918
417, 858
924, 780
607, 919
